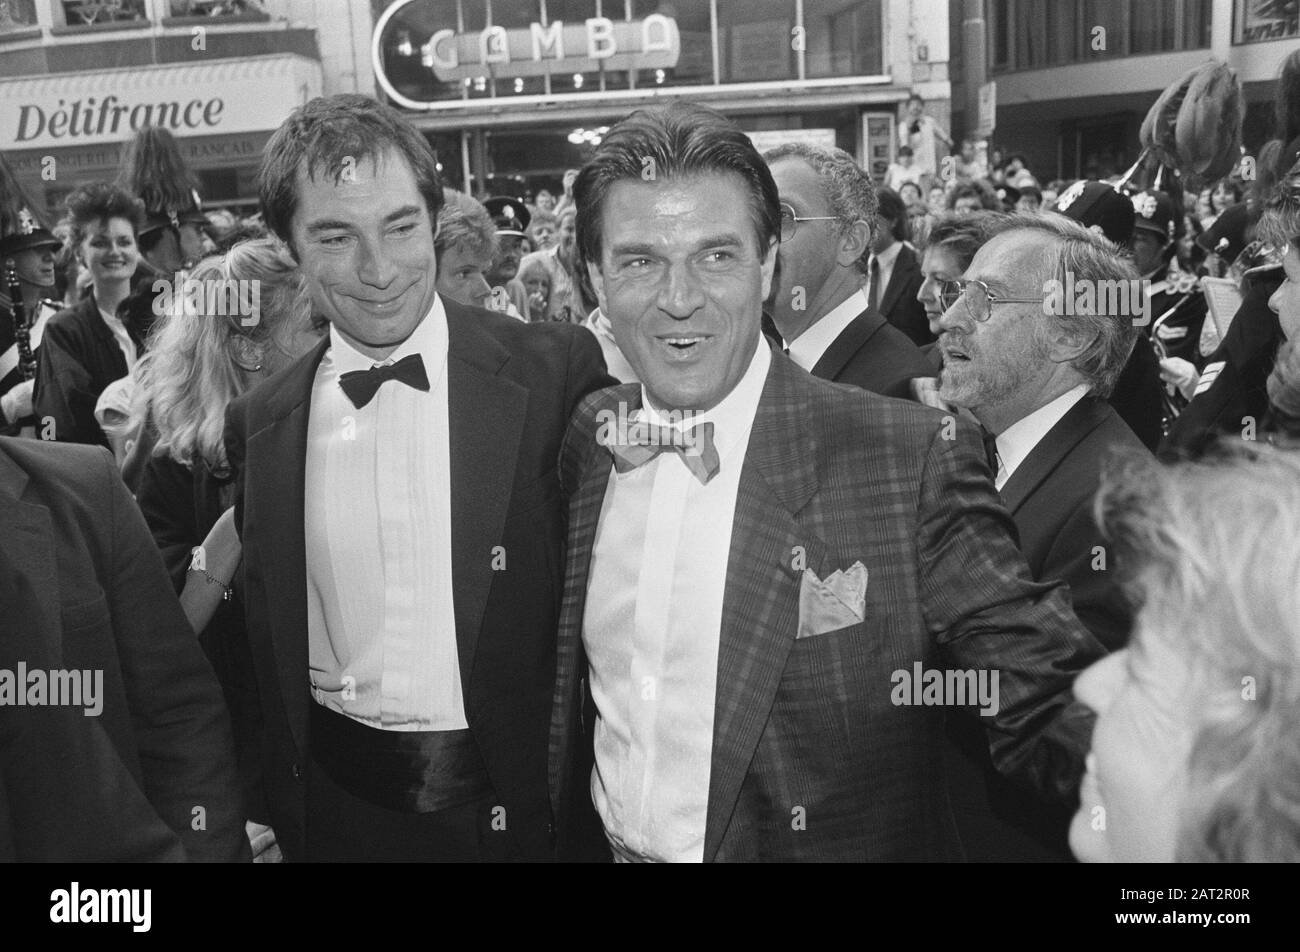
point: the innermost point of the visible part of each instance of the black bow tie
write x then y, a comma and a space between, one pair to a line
362, 385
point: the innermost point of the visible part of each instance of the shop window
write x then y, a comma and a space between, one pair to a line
239, 9
843, 39
756, 41
94, 13
17, 15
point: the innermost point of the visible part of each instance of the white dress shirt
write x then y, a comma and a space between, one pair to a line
1019, 439
652, 628
124, 342
810, 346
380, 621
887, 259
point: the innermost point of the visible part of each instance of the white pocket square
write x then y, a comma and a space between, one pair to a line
832, 603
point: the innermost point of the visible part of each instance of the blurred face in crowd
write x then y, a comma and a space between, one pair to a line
808, 259
682, 281
537, 283
1000, 368
567, 235
1221, 198
543, 234
910, 192
1130, 798
109, 251
937, 267
510, 250
1285, 301
34, 266
936, 200
1028, 203
914, 109
966, 204
461, 276
1203, 207
1147, 250
545, 201
365, 250
968, 151
1049, 197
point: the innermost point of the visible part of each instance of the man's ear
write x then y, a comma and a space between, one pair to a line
1066, 340
597, 279
855, 242
768, 268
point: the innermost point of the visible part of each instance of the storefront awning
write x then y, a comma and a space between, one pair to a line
226, 96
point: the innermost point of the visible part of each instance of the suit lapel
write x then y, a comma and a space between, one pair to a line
585, 504
486, 414
27, 535
904, 264
852, 339
761, 599
1081, 419
277, 460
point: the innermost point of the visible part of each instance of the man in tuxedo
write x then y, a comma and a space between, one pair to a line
819, 299
894, 271
400, 513
759, 561
1037, 380
133, 760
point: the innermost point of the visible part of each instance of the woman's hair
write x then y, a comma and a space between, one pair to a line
963, 235
1212, 554
464, 222
95, 202
1280, 222
188, 376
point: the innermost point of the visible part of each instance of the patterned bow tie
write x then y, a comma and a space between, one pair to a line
644, 441
362, 385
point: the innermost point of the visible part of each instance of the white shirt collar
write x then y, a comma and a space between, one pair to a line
1018, 440
810, 346
429, 340
734, 414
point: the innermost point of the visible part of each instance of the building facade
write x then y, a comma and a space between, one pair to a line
1073, 79
513, 94
78, 77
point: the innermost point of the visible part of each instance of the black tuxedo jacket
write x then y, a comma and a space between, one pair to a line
511, 389
871, 354
83, 587
1050, 497
899, 304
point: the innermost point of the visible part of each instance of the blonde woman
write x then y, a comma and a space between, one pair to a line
233, 322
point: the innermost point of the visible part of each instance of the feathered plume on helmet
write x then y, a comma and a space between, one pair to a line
154, 171
21, 223
1195, 125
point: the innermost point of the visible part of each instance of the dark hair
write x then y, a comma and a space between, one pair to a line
154, 170
916, 185
679, 139
963, 235
1286, 124
890, 205
1032, 190
99, 201
905, 150
970, 188
915, 97
331, 134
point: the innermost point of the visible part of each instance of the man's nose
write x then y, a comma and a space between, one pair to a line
682, 294
957, 317
373, 266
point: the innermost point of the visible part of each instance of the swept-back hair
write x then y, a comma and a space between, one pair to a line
673, 141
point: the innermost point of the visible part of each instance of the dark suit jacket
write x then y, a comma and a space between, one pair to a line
84, 588
511, 390
1050, 497
873, 355
833, 476
899, 304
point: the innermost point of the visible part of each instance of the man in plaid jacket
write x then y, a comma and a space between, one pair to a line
776, 586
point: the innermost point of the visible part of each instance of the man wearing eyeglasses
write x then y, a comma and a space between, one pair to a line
821, 300
1037, 380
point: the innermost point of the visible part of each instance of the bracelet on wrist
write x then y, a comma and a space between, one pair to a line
227, 592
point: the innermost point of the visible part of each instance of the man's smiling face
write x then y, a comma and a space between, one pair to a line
682, 281
365, 249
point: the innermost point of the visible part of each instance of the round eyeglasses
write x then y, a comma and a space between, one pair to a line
978, 298
790, 221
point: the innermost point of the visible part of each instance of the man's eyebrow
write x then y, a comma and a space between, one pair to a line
331, 224
724, 240
996, 285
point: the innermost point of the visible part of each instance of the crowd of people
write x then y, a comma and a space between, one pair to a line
390, 558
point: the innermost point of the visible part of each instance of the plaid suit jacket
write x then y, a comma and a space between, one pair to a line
812, 759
